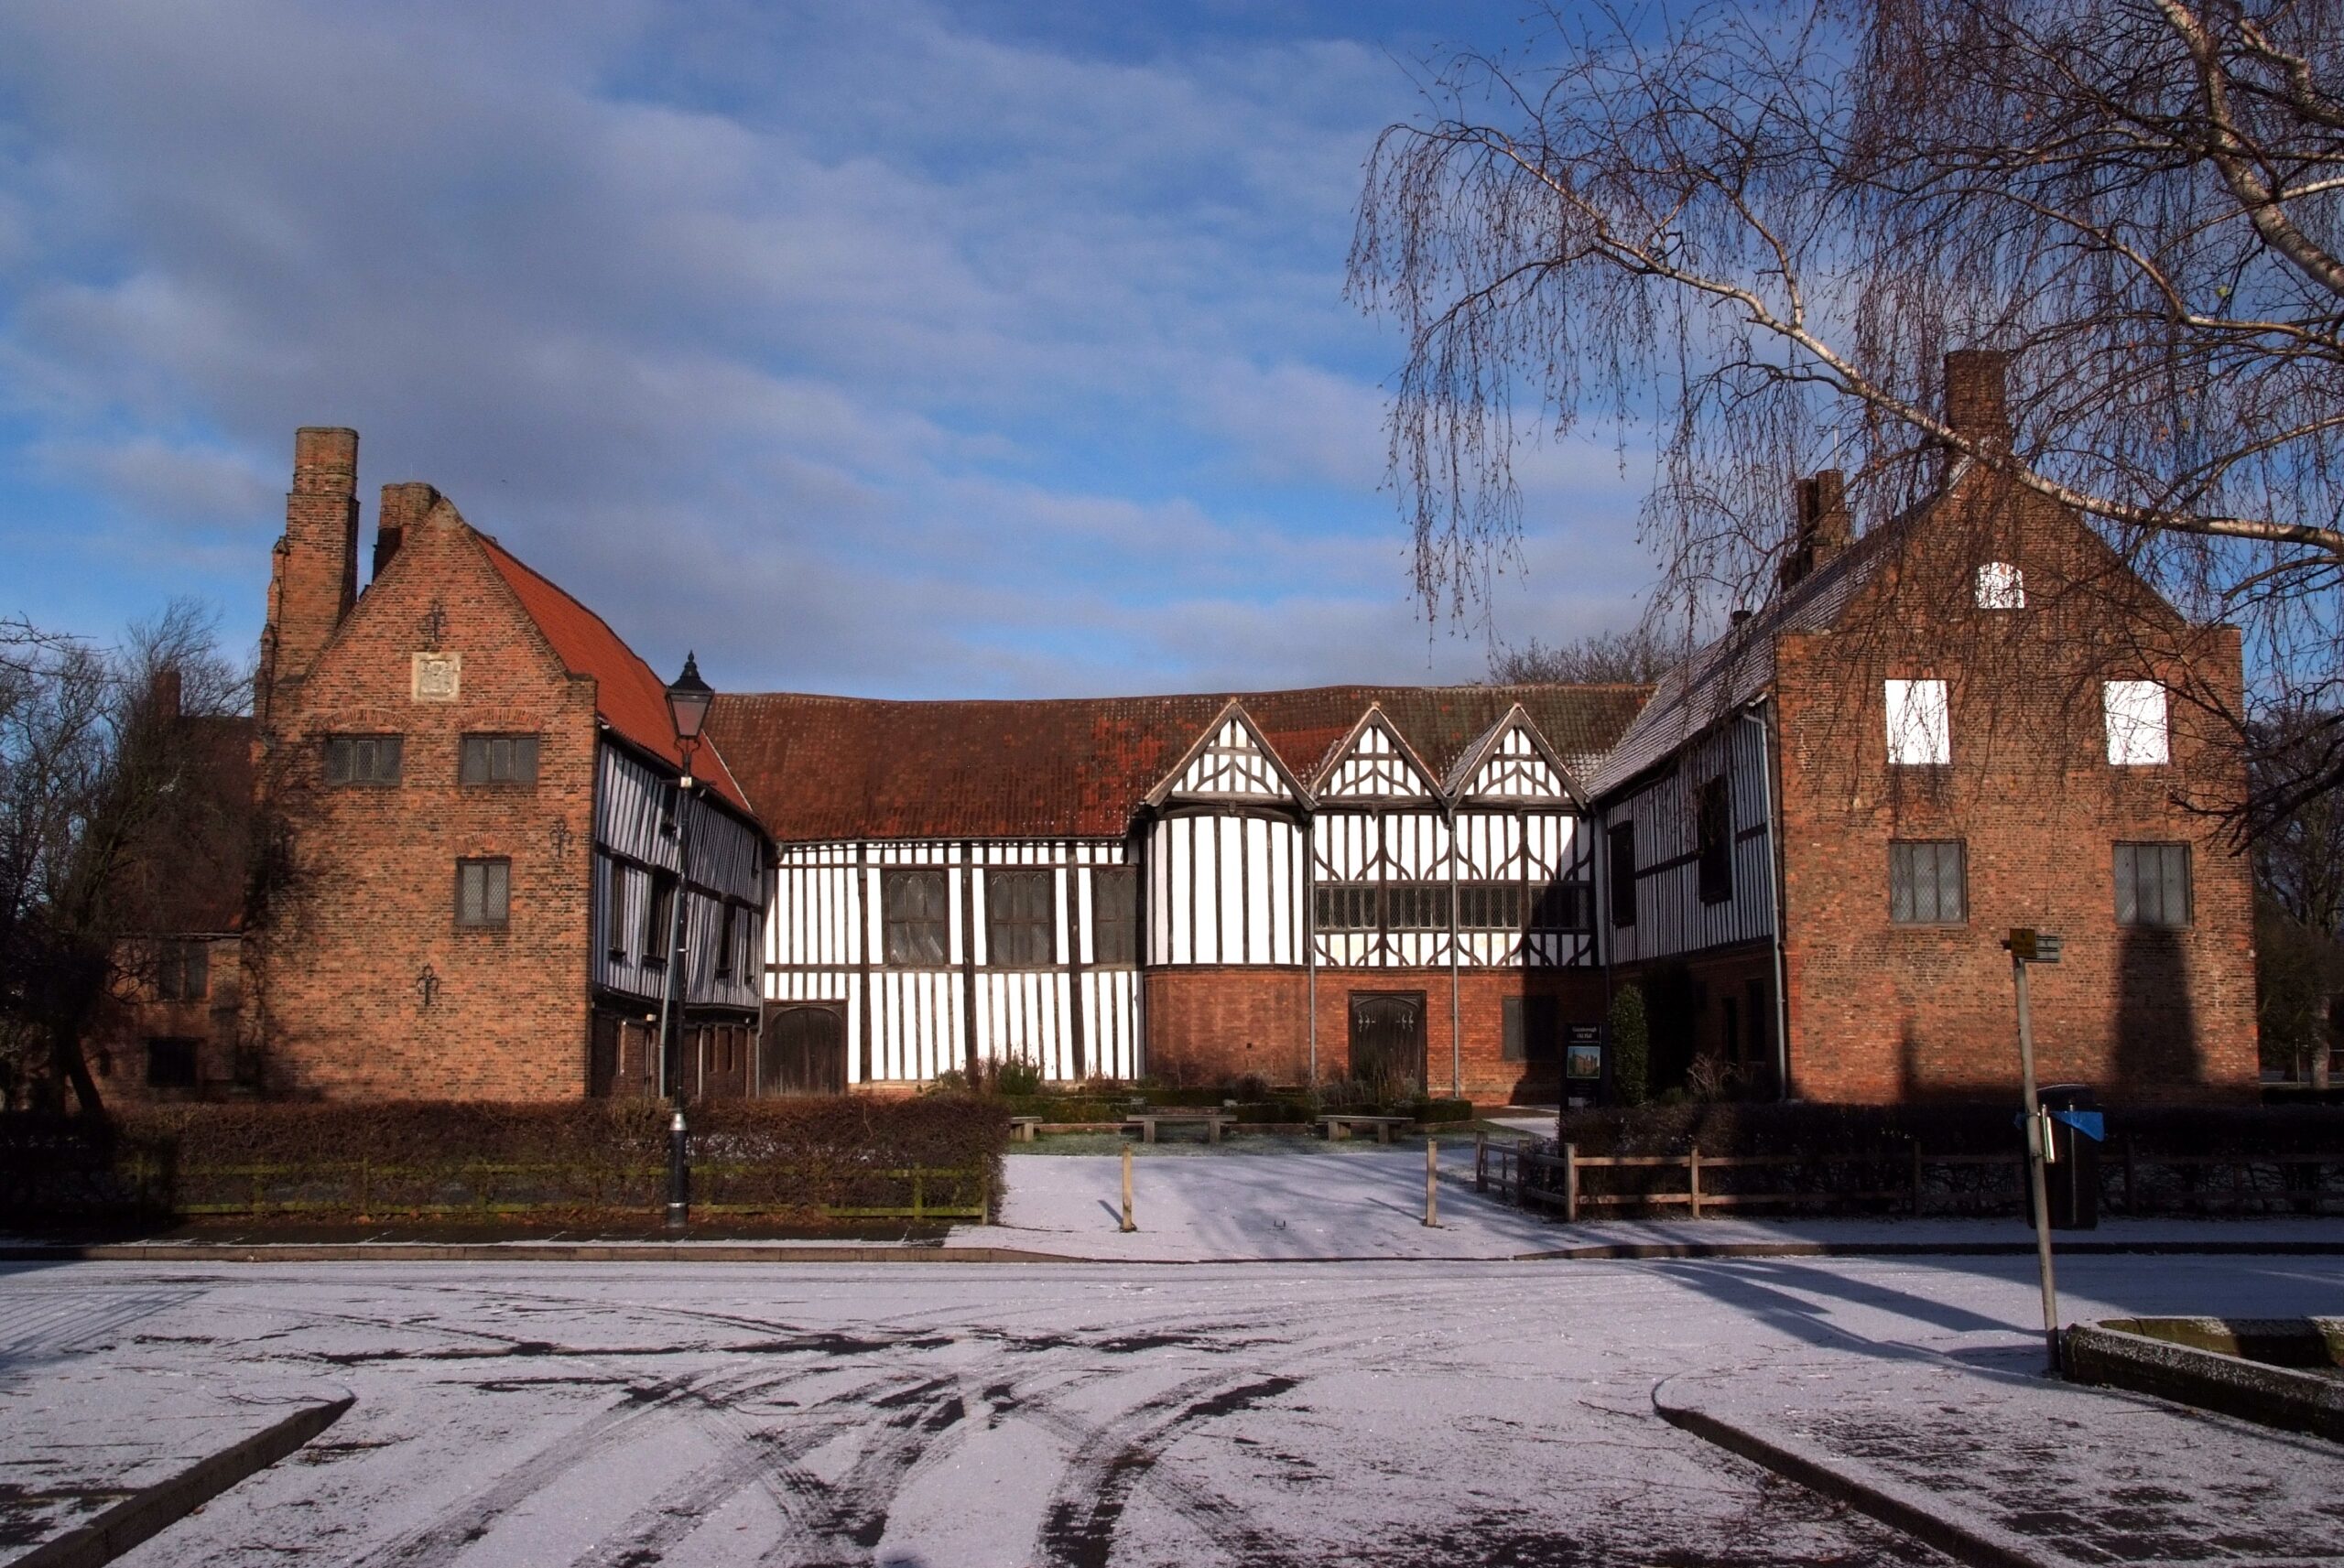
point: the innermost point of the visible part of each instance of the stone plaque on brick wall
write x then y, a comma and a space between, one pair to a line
439, 678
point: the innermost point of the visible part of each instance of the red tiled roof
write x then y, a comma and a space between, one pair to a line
630, 697
828, 768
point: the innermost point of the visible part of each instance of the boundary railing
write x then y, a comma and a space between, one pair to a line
2132, 1182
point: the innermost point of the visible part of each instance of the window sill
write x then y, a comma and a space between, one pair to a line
1928, 925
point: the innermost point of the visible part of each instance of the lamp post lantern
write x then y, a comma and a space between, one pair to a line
688, 701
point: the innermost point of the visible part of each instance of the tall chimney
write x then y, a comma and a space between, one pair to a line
1822, 525
404, 506
1975, 407
163, 693
315, 578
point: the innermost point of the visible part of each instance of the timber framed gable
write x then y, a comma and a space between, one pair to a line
1232, 763
1373, 762
1513, 763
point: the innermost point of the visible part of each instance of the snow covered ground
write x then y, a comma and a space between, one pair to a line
1256, 1200
1393, 1413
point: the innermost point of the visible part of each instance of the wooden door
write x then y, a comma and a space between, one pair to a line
804, 1052
1388, 1040
602, 1057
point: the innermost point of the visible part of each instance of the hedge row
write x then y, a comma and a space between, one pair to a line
803, 1158
1858, 1132
1298, 1109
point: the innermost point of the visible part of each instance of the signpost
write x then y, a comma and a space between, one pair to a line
2028, 945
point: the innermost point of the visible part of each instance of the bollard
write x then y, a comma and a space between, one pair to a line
1432, 1181
1127, 1189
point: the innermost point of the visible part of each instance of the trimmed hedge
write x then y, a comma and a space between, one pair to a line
803, 1158
1850, 1131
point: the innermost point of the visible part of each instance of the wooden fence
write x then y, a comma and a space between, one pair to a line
2132, 1182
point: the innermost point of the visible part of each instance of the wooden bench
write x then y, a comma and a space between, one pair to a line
1340, 1125
1021, 1127
1147, 1122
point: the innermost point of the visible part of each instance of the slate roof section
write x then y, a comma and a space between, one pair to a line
823, 769
1738, 668
628, 695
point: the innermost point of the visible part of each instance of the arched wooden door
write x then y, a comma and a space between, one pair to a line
804, 1050
1388, 1039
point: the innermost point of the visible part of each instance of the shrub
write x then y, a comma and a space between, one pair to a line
1631, 1046
797, 1156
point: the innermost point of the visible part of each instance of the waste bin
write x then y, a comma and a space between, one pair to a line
2071, 1181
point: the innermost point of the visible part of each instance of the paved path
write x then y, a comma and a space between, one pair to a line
1364, 1202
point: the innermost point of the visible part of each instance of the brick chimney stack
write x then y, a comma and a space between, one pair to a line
314, 580
1975, 404
1822, 528
403, 507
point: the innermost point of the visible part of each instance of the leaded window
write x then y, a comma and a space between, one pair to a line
1415, 906
1623, 874
182, 971
1713, 825
2153, 884
498, 760
1533, 1030
1490, 906
1019, 924
1346, 906
1115, 915
912, 906
484, 893
658, 917
365, 760
614, 925
1927, 881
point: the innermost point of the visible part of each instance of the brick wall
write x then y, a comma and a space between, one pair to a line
1881, 1011
368, 905
1206, 1024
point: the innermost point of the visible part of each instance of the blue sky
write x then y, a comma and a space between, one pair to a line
899, 350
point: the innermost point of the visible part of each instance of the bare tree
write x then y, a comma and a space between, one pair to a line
1638, 656
1755, 230
104, 792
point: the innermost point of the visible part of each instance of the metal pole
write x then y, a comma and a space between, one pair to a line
1310, 933
1432, 1180
671, 1019
1779, 898
2037, 1137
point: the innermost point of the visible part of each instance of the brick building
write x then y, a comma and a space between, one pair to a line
1802, 846
472, 785
1974, 717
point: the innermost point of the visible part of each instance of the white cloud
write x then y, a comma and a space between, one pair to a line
906, 358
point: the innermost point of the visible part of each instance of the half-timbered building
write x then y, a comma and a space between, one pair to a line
1384, 883
480, 866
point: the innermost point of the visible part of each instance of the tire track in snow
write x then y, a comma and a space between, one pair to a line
1080, 1523
440, 1540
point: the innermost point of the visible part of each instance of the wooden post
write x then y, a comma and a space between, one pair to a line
1127, 1189
1432, 1181
1480, 1162
1570, 1182
1693, 1169
1917, 1178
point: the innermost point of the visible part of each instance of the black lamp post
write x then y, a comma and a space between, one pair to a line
687, 701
